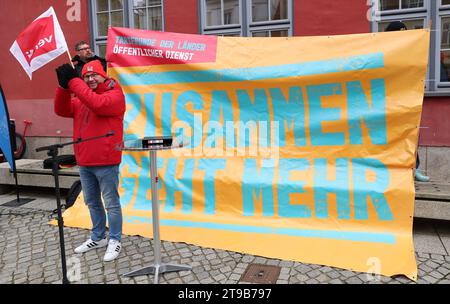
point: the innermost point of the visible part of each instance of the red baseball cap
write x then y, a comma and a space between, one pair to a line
94, 66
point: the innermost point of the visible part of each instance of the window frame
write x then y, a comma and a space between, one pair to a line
269, 25
442, 12
219, 29
250, 13
247, 26
130, 12
406, 10
127, 17
408, 18
443, 6
279, 27
431, 11
109, 11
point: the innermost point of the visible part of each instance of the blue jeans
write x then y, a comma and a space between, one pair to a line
98, 182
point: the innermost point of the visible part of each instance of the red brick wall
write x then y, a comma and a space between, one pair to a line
325, 17
181, 16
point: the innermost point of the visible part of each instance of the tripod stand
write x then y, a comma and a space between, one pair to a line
53, 153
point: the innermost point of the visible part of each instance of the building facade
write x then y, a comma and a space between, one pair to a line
89, 20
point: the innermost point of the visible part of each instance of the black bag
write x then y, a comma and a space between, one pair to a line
73, 193
62, 161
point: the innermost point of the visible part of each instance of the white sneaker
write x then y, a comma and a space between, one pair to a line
90, 244
112, 251
421, 178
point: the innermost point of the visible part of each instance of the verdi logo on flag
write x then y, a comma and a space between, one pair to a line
44, 28
41, 42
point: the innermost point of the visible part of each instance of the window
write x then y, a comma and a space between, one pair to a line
222, 12
443, 50
282, 33
222, 17
418, 14
109, 12
141, 14
257, 18
269, 18
147, 14
386, 5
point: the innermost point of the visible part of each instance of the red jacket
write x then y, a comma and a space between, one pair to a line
94, 113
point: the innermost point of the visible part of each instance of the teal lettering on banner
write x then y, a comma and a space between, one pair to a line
149, 103
144, 191
131, 114
128, 183
185, 116
289, 114
373, 116
183, 185
252, 112
286, 186
301, 111
319, 114
221, 106
211, 166
167, 101
256, 182
373, 189
339, 186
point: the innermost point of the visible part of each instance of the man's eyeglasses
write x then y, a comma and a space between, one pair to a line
87, 77
84, 49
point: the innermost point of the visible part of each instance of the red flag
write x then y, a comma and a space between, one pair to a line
41, 42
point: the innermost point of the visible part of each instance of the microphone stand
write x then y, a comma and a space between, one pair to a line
53, 153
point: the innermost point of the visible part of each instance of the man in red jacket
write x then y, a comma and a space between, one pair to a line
97, 109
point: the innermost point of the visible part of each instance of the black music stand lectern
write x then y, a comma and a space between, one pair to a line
153, 144
56, 160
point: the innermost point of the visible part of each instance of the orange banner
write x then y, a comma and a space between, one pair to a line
299, 148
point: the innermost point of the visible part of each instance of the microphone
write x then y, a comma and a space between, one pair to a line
110, 133
79, 140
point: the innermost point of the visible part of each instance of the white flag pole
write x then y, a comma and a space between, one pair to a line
70, 58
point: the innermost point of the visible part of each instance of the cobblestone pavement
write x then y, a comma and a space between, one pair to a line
29, 253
